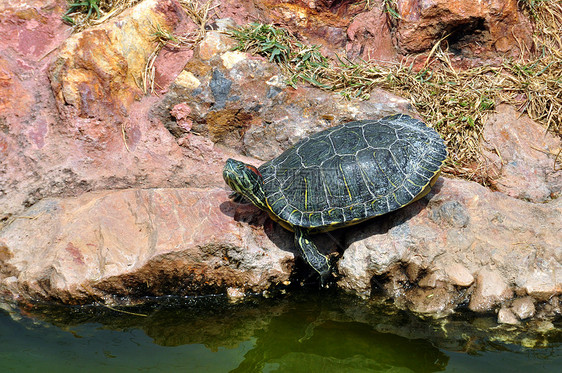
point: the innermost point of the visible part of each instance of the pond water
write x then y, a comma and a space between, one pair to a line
309, 331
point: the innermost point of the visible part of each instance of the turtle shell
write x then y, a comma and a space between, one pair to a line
353, 172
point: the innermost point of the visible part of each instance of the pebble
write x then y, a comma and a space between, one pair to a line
235, 294
506, 316
523, 307
459, 275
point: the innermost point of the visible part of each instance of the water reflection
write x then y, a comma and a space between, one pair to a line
294, 342
307, 331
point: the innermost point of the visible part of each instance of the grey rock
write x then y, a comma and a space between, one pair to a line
475, 231
523, 307
506, 316
452, 213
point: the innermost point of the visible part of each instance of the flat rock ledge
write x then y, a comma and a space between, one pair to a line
135, 243
462, 245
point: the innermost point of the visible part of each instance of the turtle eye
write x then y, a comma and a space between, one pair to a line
253, 169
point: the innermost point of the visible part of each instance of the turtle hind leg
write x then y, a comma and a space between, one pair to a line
320, 263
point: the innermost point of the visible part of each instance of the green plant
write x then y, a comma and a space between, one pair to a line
391, 8
300, 61
86, 7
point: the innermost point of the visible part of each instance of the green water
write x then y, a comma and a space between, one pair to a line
305, 332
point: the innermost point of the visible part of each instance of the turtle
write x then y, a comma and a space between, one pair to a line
342, 176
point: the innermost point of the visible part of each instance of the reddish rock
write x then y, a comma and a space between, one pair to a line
370, 36
134, 243
474, 28
44, 154
98, 71
320, 22
181, 113
169, 64
232, 98
521, 156
29, 33
338, 27
31, 30
354, 30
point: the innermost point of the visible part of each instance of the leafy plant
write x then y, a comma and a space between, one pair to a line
302, 62
86, 7
391, 8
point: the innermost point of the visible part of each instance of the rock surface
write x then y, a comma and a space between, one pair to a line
112, 58
135, 243
480, 246
46, 152
370, 36
107, 193
242, 102
472, 28
30, 32
369, 31
522, 157
210, 111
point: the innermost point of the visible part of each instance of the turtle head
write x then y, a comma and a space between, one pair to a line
246, 180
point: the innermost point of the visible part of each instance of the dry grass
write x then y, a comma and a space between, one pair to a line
300, 62
456, 102
540, 80
199, 13
453, 102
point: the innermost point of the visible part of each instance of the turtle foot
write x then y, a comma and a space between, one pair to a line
319, 262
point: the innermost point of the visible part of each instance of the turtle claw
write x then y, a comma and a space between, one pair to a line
325, 279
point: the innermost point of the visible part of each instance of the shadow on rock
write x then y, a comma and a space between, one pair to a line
244, 213
249, 214
395, 220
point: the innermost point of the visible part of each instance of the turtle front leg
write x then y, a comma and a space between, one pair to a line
311, 255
